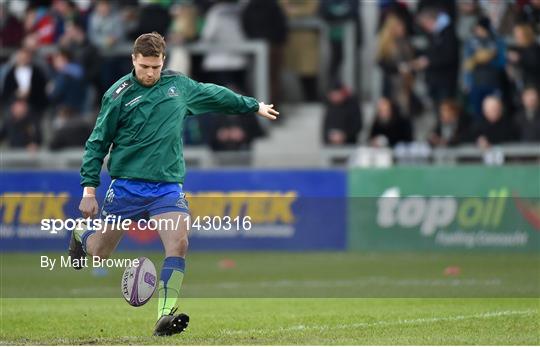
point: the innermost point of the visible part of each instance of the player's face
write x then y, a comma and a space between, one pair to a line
147, 69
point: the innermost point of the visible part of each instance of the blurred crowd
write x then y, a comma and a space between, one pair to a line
476, 63
63, 86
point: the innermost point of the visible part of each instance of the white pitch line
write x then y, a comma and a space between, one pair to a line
302, 327
364, 282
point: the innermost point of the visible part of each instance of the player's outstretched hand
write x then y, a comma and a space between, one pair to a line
267, 111
88, 206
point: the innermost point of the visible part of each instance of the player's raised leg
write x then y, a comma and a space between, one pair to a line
119, 202
95, 242
81, 236
174, 235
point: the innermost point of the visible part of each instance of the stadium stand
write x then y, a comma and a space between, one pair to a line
297, 140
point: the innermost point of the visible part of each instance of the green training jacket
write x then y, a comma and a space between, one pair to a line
144, 126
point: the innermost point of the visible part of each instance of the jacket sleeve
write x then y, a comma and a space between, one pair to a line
387, 66
98, 143
446, 53
467, 75
529, 60
499, 61
208, 97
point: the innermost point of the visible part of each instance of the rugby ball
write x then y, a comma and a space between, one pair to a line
139, 282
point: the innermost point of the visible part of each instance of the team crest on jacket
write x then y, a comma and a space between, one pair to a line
172, 91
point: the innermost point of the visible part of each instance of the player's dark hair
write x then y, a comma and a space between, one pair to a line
149, 45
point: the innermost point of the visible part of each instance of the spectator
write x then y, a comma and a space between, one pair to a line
255, 13
394, 55
440, 61
63, 11
39, 25
105, 30
484, 65
184, 23
25, 80
233, 133
40, 58
11, 29
68, 88
302, 50
204, 5
397, 8
343, 118
389, 128
183, 29
468, 14
151, 17
452, 127
528, 120
20, 129
83, 52
129, 14
223, 26
69, 131
524, 58
530, 13
502, 15
196, 131
336, 13
105, 27
447, 6
496, 127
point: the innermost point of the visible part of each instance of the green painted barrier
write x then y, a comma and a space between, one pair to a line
444, 208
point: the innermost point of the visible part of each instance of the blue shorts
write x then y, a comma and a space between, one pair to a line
138, 199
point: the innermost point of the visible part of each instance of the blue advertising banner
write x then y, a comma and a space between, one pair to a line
264, 210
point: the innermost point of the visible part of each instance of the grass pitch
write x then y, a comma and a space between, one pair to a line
286, 299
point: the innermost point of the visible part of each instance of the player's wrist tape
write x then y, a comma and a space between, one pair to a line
89, 192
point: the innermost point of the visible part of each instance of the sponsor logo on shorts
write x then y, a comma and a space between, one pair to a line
181, 202
110, 195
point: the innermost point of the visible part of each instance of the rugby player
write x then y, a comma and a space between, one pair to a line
142, 117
